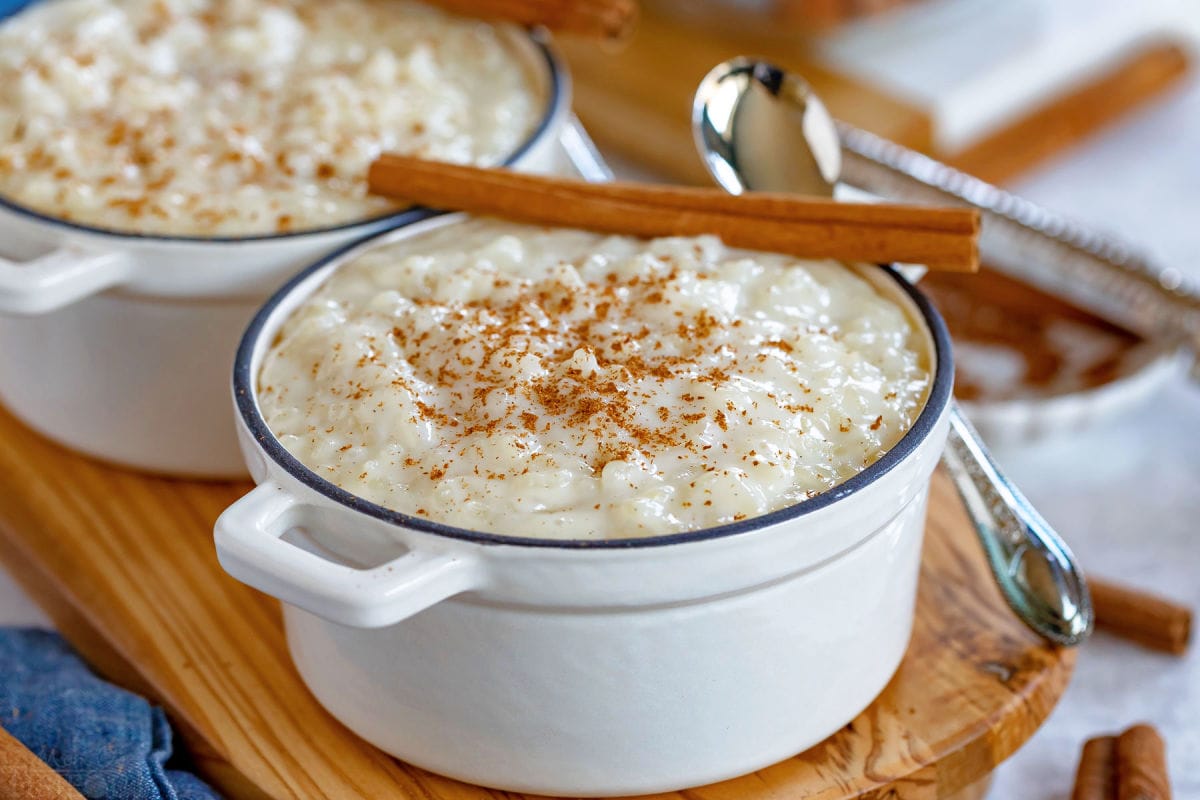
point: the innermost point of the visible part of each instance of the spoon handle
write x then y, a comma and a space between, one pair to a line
1036, 571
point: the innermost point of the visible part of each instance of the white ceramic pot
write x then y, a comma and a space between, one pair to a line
120, 345
585, 667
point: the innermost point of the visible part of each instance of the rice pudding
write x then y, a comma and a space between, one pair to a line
243, 117
564, 384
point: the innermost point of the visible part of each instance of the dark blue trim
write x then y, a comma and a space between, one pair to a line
243, 383
557, 98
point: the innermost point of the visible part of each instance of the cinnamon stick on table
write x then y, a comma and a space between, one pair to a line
1132, 766
1147, 619
1096, 778
600, 18
1142, 765
940, 238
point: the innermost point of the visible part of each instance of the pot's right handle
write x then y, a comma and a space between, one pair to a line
250, 549
59, 278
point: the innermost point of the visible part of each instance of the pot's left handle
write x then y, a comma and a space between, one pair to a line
250, 549
59, 278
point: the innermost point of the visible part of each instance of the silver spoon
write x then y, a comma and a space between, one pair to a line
758, 127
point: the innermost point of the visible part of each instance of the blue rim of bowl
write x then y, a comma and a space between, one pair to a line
247, 405
555, 105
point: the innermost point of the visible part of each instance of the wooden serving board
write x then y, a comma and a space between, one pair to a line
124, 565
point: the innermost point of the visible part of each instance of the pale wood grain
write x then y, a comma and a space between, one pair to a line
636, 101
124, 564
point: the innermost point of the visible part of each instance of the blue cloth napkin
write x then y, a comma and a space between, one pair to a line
108, 743
8, 7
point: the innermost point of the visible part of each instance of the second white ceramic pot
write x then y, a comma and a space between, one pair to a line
119, 345
586, 668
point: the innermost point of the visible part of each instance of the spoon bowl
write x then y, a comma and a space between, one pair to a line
760, 128
742, 118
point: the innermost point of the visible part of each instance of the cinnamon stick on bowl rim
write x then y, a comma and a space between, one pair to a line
806, 227
609, 19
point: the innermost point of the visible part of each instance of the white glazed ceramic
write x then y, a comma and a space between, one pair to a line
1019, 422
119, 345
585, 667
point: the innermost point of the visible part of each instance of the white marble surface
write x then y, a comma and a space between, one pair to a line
1127, 496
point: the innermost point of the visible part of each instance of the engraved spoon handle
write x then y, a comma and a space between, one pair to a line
755, 149
1034, 568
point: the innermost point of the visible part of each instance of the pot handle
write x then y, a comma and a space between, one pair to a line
250, 549
59, 278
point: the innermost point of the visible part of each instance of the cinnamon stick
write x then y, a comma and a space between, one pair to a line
1141, 759
24, 776
1147, 619
597, 18
1096, 777
940, 238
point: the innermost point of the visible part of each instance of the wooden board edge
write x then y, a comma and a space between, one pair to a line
64, 607
998, 742
955, 774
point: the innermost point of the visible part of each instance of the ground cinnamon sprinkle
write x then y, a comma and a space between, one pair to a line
267, 112
523, 374
599, 398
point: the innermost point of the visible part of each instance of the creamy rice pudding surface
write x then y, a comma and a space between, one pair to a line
564, 384
237, 117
